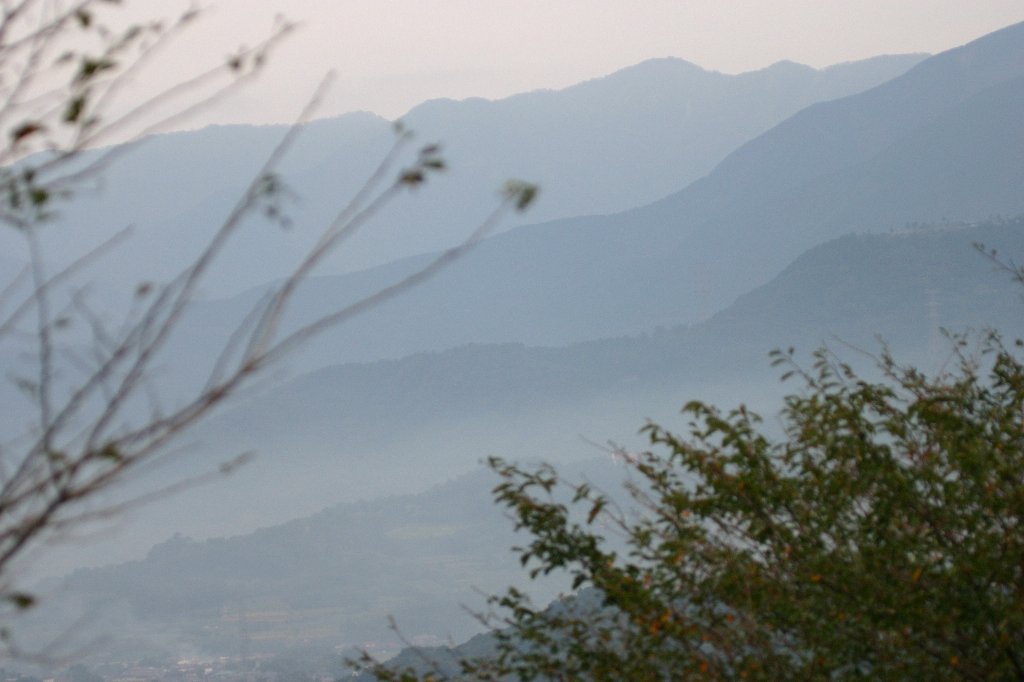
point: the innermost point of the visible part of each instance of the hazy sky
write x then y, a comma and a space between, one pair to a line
391, 54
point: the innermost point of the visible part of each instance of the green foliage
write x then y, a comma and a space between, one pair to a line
879, 537
521, 193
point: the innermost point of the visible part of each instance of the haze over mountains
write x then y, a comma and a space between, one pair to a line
367, 429
667, 121
933, 144
337, 573
851, 218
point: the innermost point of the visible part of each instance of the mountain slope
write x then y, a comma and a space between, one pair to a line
830, 136
359, 430
936, 143
334, 576
903, 287
668, 121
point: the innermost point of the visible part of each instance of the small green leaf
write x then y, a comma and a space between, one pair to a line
92, 67
74, 110
521, 193
412, 178
38, 196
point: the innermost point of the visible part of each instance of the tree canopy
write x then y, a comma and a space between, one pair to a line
879, 536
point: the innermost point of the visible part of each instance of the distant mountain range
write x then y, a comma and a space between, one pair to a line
327, 579
431, 415
362, 430
941, 142
853, 219
671, 263
667, 121
667, 265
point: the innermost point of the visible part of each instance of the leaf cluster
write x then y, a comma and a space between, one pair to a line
878, 538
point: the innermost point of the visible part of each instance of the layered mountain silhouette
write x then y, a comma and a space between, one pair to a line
668, 264
941, 142
667, 121
358, 430
553, 336
431, 415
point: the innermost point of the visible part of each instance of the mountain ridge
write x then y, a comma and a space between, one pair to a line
904, 286
562, 139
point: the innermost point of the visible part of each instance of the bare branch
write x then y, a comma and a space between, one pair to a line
87, 434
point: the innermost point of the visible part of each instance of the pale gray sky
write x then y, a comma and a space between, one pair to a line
391, 54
